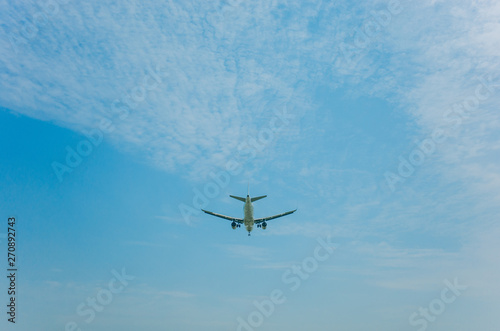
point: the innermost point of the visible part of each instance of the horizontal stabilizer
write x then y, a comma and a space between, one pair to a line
258, 198
238, 198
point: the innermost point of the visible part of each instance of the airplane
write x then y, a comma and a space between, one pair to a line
248, 219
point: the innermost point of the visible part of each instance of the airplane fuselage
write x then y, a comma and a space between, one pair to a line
248, 214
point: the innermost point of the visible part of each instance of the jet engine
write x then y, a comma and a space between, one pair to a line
264, 225
233, 225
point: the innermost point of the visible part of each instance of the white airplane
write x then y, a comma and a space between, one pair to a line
248, 219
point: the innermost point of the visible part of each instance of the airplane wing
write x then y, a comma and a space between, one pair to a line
264, 219
234, 219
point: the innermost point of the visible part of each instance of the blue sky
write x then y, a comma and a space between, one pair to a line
378, 121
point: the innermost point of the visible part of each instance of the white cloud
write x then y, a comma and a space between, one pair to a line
216, 71
224, 66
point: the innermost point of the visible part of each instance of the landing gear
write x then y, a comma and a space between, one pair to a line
249, 234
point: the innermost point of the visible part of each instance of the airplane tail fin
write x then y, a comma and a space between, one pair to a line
258, 198
238, 198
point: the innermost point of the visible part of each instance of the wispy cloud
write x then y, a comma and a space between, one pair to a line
215, 81
222, 67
